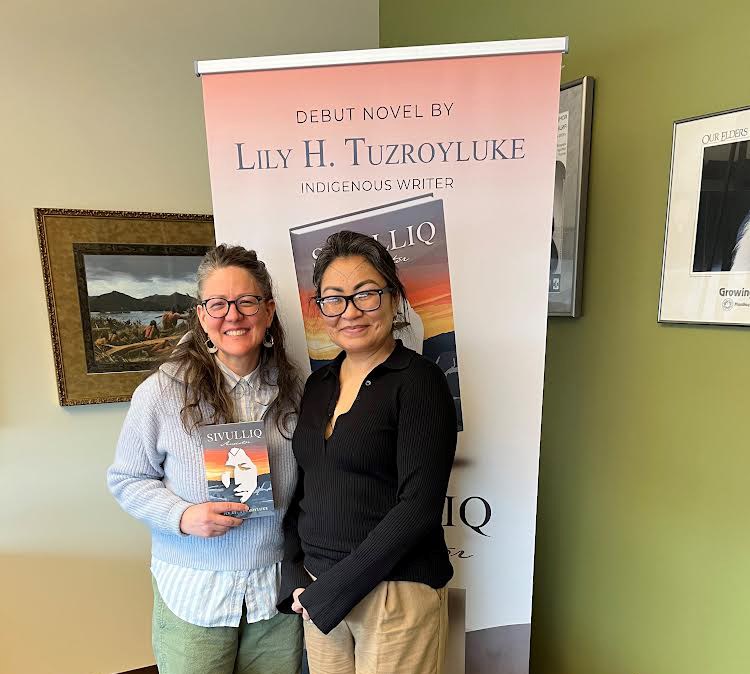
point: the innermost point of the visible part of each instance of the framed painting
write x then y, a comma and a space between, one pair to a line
120, 289
706, 263
571, 193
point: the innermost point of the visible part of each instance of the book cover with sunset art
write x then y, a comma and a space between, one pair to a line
237, 466
413, 231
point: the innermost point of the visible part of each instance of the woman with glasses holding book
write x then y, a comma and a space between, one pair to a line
366, 562
215, 576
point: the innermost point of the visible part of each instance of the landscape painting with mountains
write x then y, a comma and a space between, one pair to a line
134, 308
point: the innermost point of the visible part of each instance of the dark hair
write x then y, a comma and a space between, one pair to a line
348, 244
204, 381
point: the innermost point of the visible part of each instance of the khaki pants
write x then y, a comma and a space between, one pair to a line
399, 628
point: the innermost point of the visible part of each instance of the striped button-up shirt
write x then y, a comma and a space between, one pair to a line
216, 598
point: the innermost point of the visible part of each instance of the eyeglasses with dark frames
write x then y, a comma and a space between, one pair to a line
365, 300
247, 305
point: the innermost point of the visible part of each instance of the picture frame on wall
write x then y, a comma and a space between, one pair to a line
120, 287
570, 197
706, 260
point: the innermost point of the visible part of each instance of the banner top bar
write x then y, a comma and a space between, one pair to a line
361, 56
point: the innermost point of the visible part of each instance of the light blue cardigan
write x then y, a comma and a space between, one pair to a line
159, 472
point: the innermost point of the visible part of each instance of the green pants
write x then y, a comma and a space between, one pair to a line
272, 646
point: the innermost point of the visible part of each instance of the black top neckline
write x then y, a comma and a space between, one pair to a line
398, 359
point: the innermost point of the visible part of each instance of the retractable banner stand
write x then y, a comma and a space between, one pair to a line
445, 154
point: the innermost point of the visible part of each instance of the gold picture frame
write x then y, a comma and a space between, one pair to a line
100, 354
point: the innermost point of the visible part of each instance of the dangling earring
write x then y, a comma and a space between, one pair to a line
210, 346
268, 339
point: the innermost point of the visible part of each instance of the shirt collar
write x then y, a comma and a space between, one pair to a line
398, 360
233, 379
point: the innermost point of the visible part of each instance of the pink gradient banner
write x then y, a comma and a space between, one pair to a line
291, 147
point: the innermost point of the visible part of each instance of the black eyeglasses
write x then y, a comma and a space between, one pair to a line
364, 300
247, 305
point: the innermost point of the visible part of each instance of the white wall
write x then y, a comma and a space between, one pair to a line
99, 109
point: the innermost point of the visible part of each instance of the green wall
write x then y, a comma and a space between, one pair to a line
643, 544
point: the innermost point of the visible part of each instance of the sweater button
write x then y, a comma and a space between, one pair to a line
368, 382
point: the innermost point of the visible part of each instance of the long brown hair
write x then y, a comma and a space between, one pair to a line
204, 381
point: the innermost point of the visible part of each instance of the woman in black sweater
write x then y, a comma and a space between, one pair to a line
366, 562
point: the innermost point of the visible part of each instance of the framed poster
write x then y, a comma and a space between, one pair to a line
571, 191
706, 263
120, 287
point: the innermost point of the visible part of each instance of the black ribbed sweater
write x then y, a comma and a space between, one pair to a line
369, 500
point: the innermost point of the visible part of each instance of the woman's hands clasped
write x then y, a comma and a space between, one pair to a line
208, 519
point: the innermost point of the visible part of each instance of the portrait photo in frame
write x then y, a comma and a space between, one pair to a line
120, 287
706, 262
570, 197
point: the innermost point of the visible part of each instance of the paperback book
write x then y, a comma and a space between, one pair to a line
413, 231
237, 466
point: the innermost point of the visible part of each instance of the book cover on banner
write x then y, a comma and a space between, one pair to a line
413, 231
237, 466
